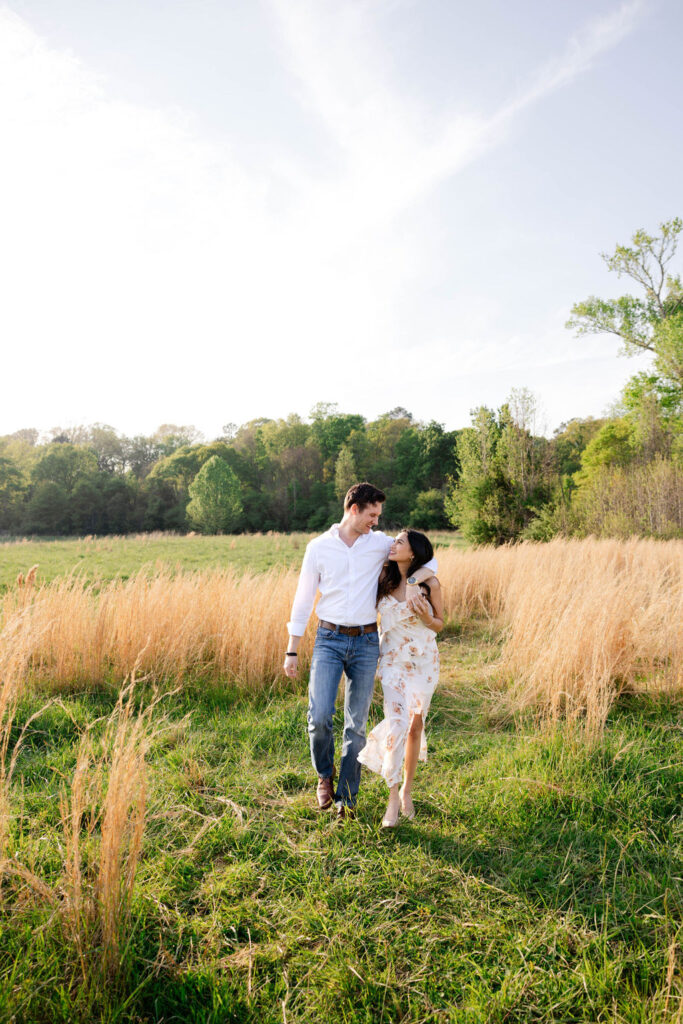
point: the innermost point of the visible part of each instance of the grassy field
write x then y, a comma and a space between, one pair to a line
108, 558
541, 881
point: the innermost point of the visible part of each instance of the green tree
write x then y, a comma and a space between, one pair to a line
344, 472
569, 442
649, 426
479, 477
216, 503
611, 446
331, 429
64, 464
86, 506
505, 472
290, 467
438, 454
48, 510
384, 438
408, 464
651, 322
428, 511
396, 511
109, 448
645, 323
11, 493
141, 454
170, 436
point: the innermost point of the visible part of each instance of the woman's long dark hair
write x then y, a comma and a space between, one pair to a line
423, 552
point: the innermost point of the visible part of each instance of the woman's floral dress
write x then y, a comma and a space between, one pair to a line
409, 670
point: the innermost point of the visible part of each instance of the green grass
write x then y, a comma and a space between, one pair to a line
540, 882
106, 558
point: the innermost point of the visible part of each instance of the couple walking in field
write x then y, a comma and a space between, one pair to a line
360, 572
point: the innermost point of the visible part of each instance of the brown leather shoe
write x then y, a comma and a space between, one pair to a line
325, 792
345, 814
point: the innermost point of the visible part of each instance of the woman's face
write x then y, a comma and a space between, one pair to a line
401, 551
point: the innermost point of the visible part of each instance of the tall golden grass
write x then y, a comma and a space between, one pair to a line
103, 822
581, 619
214, 624
12, 671
103, 819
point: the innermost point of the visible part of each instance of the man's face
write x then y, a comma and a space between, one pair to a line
364, 520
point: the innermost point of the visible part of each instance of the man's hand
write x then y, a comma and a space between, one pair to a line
422, 608
413, 592
291, 666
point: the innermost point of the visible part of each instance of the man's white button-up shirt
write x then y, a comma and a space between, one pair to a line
345, 576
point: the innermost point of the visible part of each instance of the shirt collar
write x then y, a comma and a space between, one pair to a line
363, 539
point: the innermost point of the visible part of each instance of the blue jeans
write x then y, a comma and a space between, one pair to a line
333, 654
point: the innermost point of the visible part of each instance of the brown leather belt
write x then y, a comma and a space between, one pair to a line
349, 630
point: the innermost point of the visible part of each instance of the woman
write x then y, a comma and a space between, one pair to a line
409, 670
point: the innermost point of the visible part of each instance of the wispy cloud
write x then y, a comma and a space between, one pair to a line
598, 36
392, 150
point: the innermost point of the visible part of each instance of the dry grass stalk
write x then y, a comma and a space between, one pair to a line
13, 659
123, 820
13, 662
76, 908
103, 818
108, 796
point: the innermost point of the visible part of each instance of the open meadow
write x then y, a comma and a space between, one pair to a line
162, 856
107, 558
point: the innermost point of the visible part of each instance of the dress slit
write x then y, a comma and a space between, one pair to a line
409, 671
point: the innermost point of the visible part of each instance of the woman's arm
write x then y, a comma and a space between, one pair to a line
430, 613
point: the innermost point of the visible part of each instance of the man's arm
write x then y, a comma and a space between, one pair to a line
425, 572
430, 610
421, 575
302, 607
430, 568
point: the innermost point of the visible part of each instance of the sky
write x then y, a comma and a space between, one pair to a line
213, 211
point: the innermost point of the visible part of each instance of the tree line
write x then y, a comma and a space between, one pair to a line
268, 474
499, 479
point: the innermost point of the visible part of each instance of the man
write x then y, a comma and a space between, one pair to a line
344, 564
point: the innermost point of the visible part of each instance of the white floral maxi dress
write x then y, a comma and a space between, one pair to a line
409, 670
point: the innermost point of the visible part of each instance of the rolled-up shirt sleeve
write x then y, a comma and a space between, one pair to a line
433, 565
305, 594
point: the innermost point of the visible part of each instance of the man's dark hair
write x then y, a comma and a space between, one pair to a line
362, 495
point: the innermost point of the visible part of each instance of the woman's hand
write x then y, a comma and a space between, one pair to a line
422, 608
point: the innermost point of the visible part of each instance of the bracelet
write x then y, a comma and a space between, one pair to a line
291, 654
